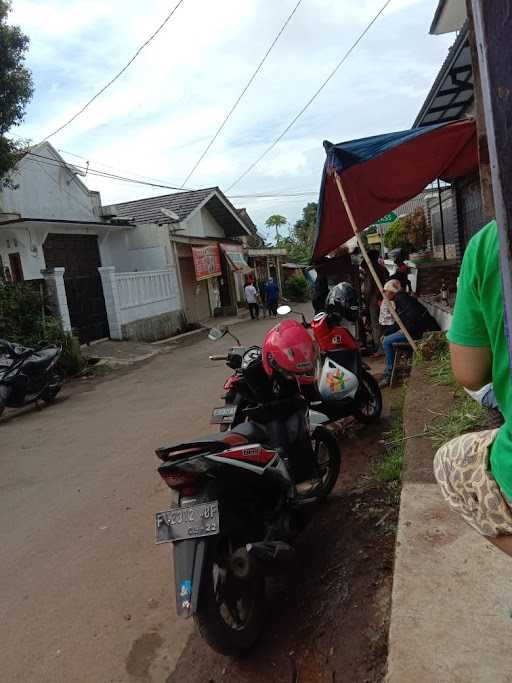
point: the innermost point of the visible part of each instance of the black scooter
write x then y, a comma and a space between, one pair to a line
238, 501
28, 374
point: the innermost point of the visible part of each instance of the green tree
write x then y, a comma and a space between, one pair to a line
299, 243
397, 236
15, 89
275, 221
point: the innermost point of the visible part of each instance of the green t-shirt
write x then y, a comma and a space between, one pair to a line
478, 321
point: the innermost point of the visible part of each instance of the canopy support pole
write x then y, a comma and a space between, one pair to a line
441, 216
360, 242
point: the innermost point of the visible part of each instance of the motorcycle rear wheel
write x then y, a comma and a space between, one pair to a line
231, 611
369, 399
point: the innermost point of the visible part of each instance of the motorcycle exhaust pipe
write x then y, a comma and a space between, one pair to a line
271, 552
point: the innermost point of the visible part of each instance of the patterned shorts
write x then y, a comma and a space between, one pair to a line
462, 470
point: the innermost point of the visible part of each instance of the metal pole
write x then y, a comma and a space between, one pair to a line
441, 217
360, 242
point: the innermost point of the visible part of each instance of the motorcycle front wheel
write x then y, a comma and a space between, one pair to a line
368, 399
328, 458
4, 395
50, 393
231, 611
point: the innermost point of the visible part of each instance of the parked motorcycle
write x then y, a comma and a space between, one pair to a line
343, 385
28, 374
240, 498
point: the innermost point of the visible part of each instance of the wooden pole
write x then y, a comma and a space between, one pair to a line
493, 27
360, 242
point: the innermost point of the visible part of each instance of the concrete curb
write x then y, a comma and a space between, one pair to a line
450, 613
197, 335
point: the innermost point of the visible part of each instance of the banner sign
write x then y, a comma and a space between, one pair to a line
388, 218
235, 256
206, 261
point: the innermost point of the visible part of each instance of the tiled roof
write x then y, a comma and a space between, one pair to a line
183, 204
149, 210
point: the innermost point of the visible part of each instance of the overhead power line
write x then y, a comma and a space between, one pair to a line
312, 98
43, 160
51, 161
125, 171
246, 88
118, 75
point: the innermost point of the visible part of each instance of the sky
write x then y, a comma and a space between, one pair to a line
158, 117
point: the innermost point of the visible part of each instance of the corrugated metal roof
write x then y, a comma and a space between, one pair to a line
452, 92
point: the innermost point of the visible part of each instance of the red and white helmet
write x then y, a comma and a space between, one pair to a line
288, 348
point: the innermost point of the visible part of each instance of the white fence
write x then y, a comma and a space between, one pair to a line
137, 296
147, 293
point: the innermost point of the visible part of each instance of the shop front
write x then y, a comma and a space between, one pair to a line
212, 277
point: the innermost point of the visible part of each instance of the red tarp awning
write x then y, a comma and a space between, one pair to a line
382, 172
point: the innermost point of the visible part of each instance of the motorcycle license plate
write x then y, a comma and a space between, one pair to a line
191, 521
223, 415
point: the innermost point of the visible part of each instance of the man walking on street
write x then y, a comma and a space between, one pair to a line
271, 296
251, 296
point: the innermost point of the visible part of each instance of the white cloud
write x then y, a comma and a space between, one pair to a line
157, 118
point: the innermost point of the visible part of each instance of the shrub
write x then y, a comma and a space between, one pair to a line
26, 318
296, 288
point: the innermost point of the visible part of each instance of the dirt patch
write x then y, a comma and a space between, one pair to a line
141, 654
328, 618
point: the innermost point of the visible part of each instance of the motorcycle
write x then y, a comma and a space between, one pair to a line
344, 385
238, 501
28, 374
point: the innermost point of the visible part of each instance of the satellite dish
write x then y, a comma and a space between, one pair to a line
170, 214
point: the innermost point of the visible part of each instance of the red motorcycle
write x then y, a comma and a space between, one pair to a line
342, 385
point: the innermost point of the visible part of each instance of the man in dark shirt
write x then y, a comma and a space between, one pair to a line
414, 316
271, 296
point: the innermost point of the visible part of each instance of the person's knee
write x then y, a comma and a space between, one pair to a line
441, 459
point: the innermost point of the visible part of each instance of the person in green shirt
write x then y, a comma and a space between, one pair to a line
474, 470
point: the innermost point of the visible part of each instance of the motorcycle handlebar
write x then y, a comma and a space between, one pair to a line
218, 357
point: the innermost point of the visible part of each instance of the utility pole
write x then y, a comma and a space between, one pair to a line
493, 29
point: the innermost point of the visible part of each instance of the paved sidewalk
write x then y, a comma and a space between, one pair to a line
120, 353
452, 591
125, 353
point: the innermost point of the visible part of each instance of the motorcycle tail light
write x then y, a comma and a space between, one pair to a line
187, 483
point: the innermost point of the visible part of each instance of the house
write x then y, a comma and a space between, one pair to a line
206, 233
452, 97
53, 227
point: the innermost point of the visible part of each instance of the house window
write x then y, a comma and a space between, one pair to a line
16, 269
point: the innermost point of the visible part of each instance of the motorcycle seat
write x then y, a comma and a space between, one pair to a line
40, 359
244, 433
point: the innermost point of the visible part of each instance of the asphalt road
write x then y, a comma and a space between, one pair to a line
85, 594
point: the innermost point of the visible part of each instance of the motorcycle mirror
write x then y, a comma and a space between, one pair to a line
216, 333
284, 310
